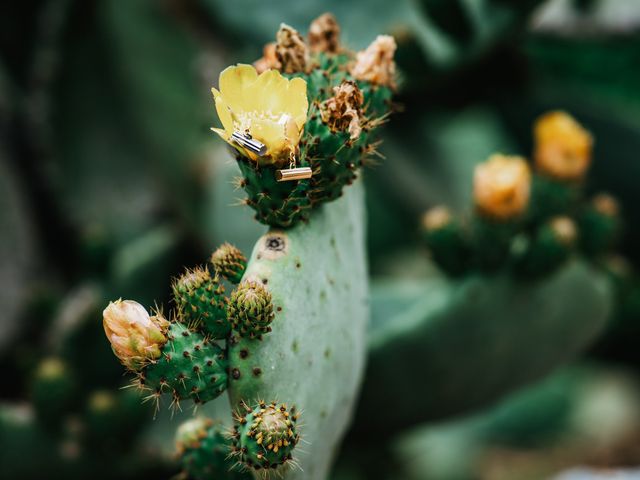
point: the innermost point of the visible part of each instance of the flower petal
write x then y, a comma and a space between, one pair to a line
270, 90
224, 114
236, 86
298, 105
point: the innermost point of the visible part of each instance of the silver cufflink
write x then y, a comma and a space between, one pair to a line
246, 141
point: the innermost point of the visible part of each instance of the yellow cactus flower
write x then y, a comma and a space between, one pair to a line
501, 187
563, 146
135, 336
268, 107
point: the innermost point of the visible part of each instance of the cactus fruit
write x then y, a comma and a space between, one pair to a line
191, 366
323, 115
600, 223
204, 449
250, 310
549, 247
264, 437
446, 240
201, 302
229, 262
166, 356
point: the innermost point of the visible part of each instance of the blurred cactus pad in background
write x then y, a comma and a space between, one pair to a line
393, 241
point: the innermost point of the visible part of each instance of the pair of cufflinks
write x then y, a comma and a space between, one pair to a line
284, 175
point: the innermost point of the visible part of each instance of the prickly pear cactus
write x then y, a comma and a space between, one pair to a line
288, 343
519, 289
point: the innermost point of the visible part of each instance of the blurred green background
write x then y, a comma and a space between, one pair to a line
110, 179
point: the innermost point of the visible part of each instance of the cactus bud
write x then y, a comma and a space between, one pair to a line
376, 64
204, 450
563, 146
605, 204
564, 229
501, 187
229, 262
600, 225
549, 246
135, 336
265, 437
324, 34
343, 111
201, 302
436, 218
291, 51
446, 239
191, 433
250, 310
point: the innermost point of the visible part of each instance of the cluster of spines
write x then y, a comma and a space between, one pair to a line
334, 156
265, 436
535, 235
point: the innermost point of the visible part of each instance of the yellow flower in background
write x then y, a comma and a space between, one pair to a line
269, 107
563, 146
501, 186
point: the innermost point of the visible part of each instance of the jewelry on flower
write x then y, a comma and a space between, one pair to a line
293, 173
246, 141
289, 174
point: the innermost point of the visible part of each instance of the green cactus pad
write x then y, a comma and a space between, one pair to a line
264, 437
314, 355
469, 342
191, 367
229, 262
250, 311
201, 302
204, 450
